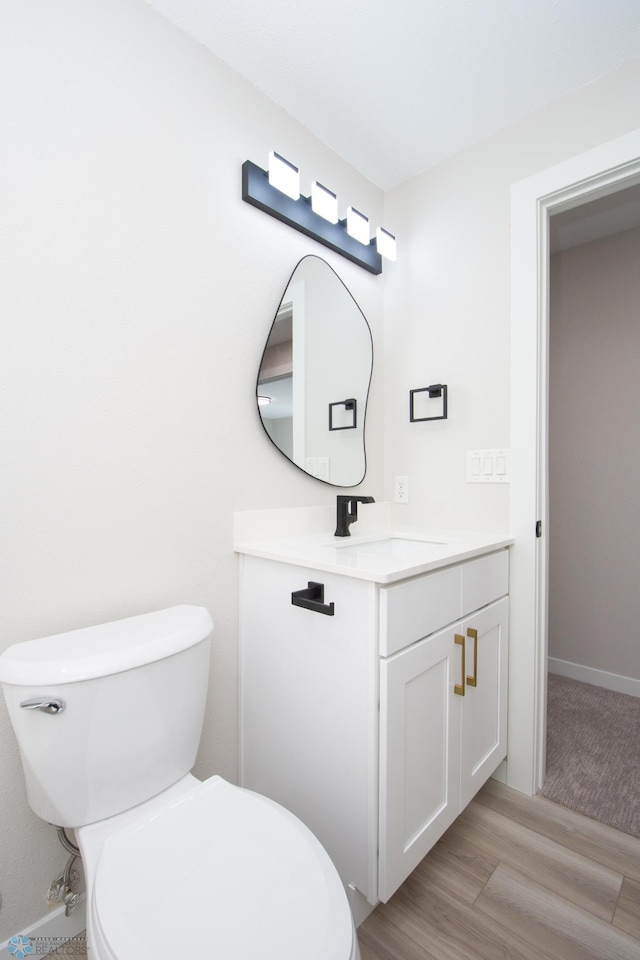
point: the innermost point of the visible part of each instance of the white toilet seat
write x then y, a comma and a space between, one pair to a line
223, 871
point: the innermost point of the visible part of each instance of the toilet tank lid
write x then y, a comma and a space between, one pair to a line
106, 648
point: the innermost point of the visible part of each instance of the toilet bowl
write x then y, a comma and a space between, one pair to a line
108, 719
212, 867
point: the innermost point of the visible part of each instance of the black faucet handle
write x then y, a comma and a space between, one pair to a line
347, 512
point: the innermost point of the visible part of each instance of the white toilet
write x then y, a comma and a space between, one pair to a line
108, 721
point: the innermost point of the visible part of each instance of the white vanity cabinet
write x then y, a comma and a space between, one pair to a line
441, 735
356, 721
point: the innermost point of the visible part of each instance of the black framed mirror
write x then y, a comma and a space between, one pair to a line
314, 377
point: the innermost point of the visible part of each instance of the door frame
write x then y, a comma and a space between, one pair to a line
596, 173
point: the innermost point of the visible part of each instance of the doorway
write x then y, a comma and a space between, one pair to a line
600, 172
593, 454
592, 763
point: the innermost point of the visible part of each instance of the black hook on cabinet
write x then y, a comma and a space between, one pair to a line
312, 598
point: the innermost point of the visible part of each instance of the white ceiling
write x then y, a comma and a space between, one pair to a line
395, 86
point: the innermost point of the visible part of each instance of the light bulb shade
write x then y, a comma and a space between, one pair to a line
357, 225
386, 244
324, 202
284, 176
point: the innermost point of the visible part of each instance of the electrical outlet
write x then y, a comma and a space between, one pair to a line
401, 493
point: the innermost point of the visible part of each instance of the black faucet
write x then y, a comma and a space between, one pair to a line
347, 508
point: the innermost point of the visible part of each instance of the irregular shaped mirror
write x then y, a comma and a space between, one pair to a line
314, 376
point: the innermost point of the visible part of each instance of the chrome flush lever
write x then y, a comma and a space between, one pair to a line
45, 706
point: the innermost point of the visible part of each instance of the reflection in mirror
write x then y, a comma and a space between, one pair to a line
314, 376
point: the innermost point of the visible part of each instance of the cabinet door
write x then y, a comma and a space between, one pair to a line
419, 753
484, 709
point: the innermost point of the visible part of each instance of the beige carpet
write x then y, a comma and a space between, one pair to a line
593, 752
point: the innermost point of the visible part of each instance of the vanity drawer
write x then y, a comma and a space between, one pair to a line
416, 608
413, 609
483, 581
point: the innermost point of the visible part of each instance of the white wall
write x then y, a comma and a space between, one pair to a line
446, 307
594, 455
137, 293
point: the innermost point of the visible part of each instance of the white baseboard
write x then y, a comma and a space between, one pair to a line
599, 678
54, 928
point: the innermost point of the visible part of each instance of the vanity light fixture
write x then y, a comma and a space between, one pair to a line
386, 244
324, 202
277, 192
357, 225
284, 176
263, 401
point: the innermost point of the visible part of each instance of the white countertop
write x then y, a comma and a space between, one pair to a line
378, 552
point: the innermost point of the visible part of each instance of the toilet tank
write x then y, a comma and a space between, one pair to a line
134, 694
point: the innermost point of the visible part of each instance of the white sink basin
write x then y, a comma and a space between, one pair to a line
395, 547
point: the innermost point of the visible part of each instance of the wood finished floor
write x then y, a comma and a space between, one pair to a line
515, 878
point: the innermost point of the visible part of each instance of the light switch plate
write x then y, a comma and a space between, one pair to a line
488, 466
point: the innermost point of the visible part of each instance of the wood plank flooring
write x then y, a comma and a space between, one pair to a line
515, 878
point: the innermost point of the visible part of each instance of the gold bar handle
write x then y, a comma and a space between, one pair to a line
473, 635
459, 687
